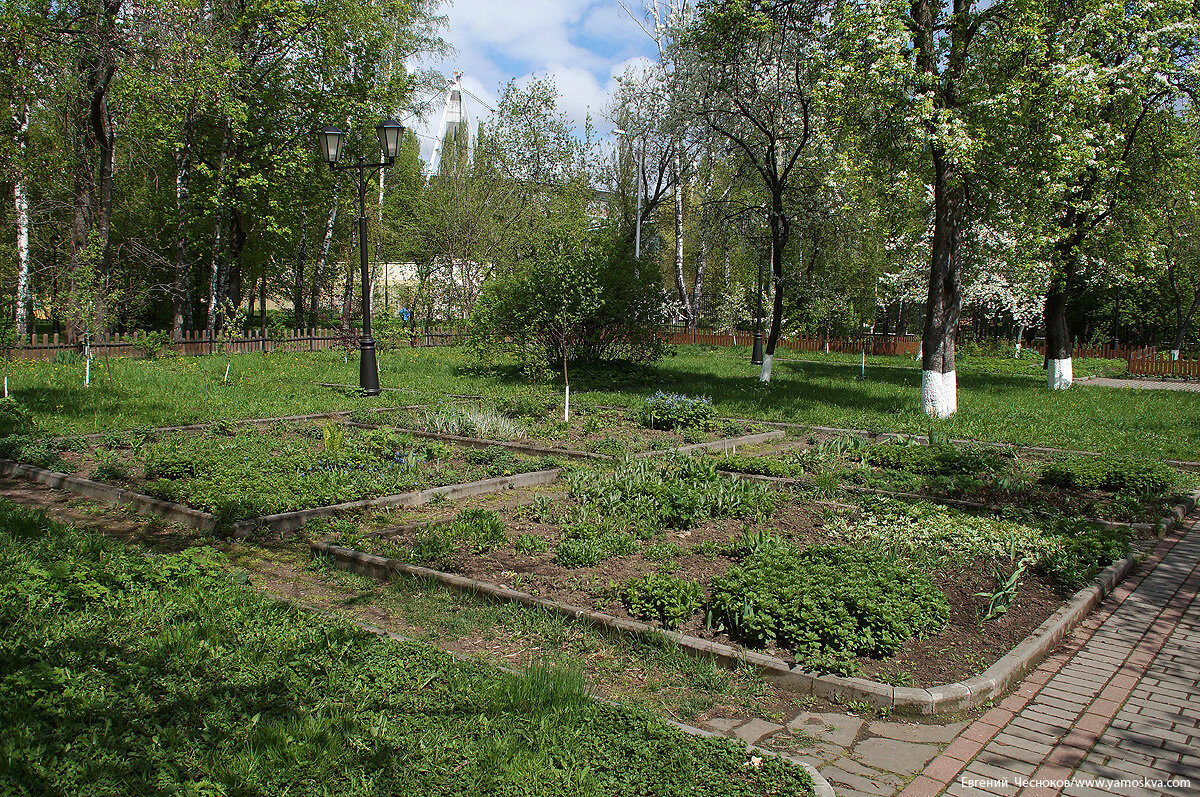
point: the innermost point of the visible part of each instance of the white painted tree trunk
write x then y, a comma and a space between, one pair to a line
939, 393
1017, 347
1058, 374
765, 376
21, 205
1174, 354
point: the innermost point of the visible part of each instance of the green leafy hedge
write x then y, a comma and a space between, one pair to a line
940, 459
828, 601
658, 596
1112, 473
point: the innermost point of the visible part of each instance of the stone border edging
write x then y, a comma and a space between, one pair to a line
284, 521
176, 513
972, 692
290, 521
924, 440
1138, 528
191, 427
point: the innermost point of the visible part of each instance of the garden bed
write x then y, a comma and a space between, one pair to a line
656, 541
1106, 488
602, 431
266, 471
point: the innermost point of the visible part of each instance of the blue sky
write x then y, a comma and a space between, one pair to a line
582, 45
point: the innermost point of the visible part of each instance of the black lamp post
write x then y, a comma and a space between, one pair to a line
331, 149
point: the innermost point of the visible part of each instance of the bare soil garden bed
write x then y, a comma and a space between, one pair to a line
529, 558
606, 431
247, 471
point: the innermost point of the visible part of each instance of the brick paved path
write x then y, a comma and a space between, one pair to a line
1120, 701
1142, 384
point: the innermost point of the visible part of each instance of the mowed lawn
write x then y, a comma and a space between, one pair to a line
999, 399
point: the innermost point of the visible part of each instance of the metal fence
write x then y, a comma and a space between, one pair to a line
199, 342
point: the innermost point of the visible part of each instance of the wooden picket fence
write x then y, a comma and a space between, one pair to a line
1105, 352
875, 344
1156, 364
200, 342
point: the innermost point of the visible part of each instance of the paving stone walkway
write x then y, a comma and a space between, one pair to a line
1115, 711
1142, 384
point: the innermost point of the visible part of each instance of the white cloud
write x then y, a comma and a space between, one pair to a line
581, 45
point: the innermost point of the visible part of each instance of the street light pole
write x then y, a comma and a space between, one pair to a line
331, 148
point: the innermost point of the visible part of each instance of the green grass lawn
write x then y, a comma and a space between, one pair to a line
126, 674
999, 399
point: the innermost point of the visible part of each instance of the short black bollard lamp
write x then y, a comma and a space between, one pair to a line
331, 150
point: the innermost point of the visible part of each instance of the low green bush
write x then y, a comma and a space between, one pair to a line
1112, 473
667, 599
14, 418
664, 410
760, 466
940, 459
670, 492
1078, 553
833, 602
481, 529
588, 544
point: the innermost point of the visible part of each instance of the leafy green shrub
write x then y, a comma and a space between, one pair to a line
672, 492
14, 418
668, 599
664, 410
589, 544
662, 551
761, 466
1112, 473
839, 602
482, 529
1081, 552
37, 451
530, 544
940, 459
111, 467
472, 421
434, 549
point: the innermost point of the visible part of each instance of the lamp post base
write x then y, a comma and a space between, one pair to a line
368, 368
756, 356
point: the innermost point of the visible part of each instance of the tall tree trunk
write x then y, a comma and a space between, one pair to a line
21, 206
182, 293
680, 284
1185, 324
319, 266
781, 229
1058, 338
939, 387
215, 265
298, 274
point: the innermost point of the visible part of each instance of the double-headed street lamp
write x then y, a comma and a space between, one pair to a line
331, 149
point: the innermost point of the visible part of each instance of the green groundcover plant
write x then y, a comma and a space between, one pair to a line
828, 604
126, 674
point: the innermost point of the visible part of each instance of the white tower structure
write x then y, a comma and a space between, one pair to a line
455, 121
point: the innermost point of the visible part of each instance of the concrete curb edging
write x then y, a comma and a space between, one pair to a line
285, 521
945, 698
924, 440
1159, 528
289, 521
176, 513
